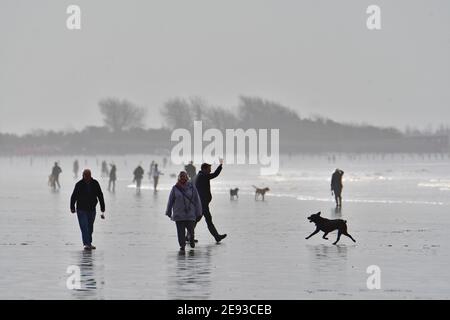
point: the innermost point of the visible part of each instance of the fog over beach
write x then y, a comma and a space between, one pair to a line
304, 120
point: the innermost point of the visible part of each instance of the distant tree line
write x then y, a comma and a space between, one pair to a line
124, 122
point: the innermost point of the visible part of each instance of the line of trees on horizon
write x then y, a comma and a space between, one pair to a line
121, 115
124, 129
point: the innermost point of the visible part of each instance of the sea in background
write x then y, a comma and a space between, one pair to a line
396, 207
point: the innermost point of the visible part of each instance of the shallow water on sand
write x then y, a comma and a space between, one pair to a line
397, 210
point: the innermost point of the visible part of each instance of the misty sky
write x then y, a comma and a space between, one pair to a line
317, 57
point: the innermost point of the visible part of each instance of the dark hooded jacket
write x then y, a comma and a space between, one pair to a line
85, 196
204, 187
336, 180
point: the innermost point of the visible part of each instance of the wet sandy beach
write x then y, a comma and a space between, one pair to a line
265, 255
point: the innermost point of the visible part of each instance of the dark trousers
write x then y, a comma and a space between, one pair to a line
337, 196
138, 184
208, 218
182, 227
113, 183
86, 220
155, 182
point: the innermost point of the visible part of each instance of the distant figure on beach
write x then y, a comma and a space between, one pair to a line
156, 174
191, 170
54, 176
105, 172
336, 186
202, 183
150, 172
164, 162
76, 167
86, 194
184, 207
112, 178
138, 175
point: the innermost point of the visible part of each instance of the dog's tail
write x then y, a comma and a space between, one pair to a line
255, 187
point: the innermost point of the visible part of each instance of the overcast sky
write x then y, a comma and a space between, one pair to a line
316, 57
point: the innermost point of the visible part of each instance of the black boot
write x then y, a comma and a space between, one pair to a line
221, 237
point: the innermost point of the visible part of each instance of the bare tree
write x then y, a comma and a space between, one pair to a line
181, 113
177, 113
120, 115
259, 113
221, 118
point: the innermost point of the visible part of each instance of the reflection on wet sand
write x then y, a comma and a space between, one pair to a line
89, 273
322, 258
324, 255
336, 212
139, 201
190, 273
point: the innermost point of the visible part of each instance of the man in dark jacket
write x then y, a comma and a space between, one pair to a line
336, 186
85, 196
202, 183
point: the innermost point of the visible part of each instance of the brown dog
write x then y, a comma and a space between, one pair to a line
327, 225
260, 191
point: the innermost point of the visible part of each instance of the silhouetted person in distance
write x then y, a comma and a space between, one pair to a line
105, 172
76, 167
138, 175
112, 178
150, 173
56, 170
202, 183
336, 186
190, 170
164, 162
184, 207
156, 173
83, 201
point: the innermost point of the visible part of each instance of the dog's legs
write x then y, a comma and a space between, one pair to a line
315, 232
263, 197
346, 234
338, 237
325, 236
